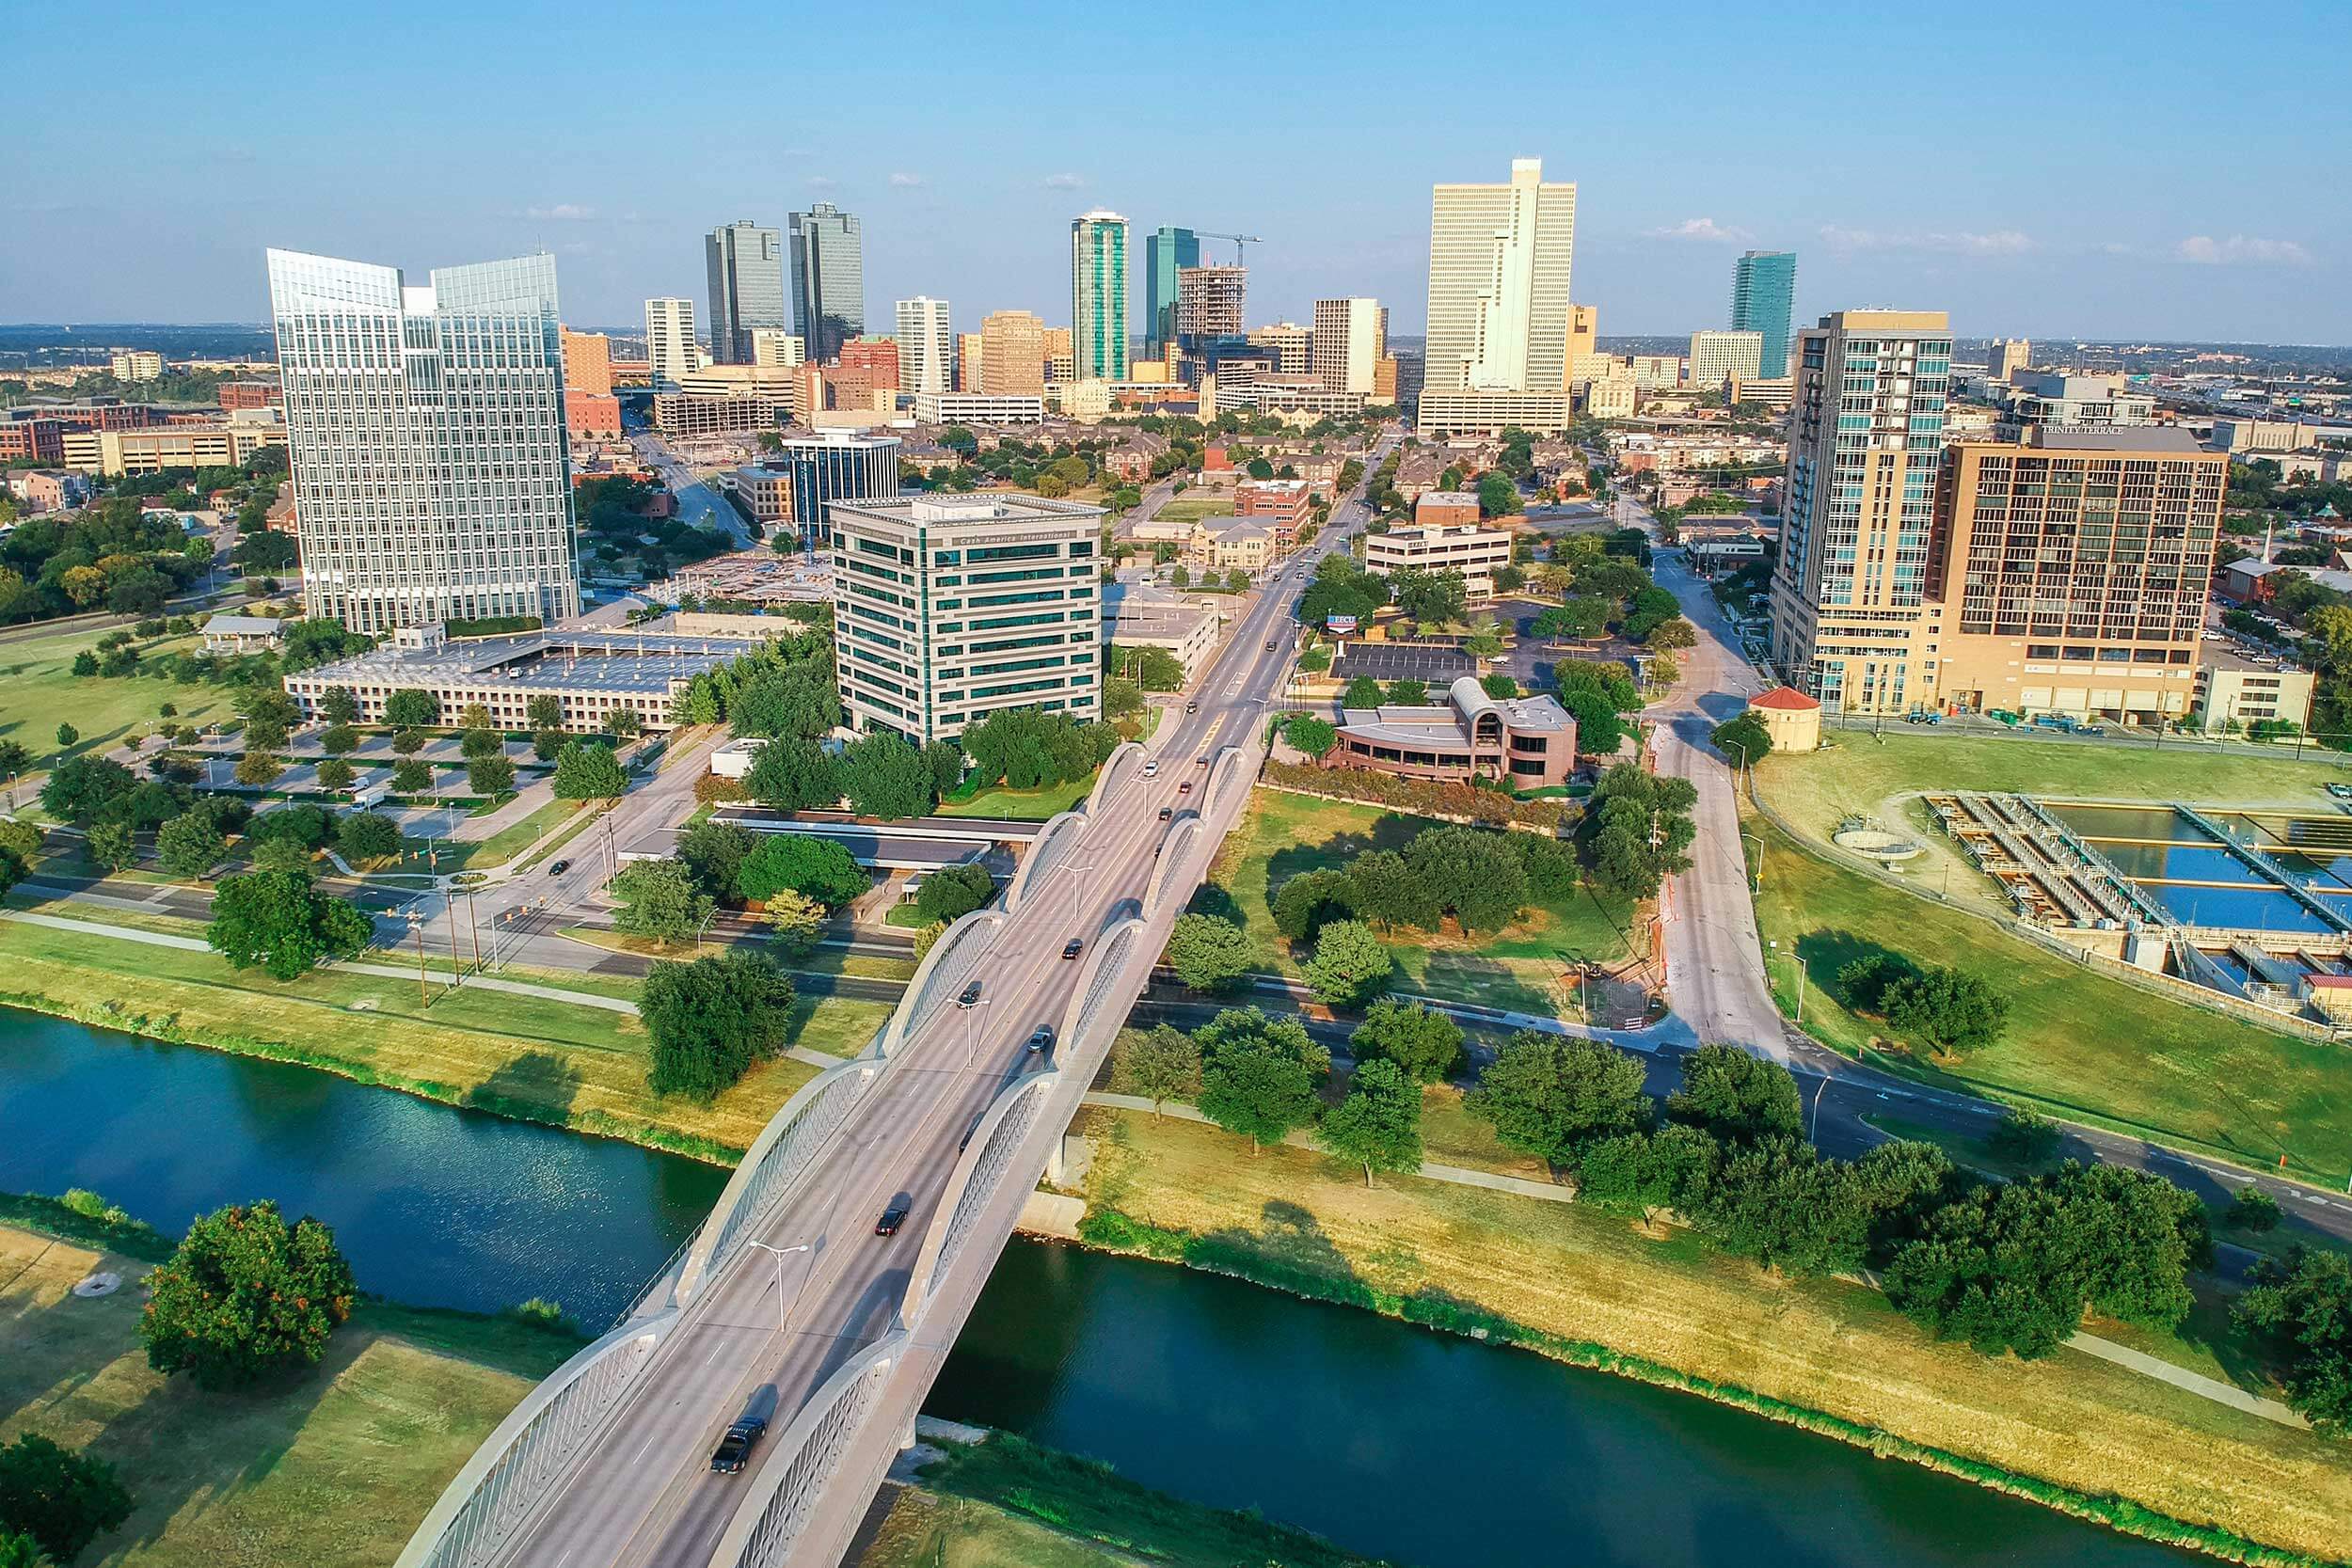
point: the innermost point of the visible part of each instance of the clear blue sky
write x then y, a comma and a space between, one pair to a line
2147, 170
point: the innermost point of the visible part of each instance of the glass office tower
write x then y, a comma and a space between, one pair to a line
426, 435
1098, 295
828, 281
1164, 251
1763, 300
745, 263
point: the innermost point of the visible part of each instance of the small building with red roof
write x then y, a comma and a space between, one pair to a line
1792, 719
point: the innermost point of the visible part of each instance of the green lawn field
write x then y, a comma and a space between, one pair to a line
39, 690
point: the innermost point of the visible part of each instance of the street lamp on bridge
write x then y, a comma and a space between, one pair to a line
778, 1253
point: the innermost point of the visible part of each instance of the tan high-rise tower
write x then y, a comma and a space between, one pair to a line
1499, 264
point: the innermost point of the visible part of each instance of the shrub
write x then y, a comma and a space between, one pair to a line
245, 1296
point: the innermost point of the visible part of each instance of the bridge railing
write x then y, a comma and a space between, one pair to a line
786, 1490
995, 1142
784, 1152
1232, 765
940, 974
1056, 842
1117, 769
511, 1473
1097, 985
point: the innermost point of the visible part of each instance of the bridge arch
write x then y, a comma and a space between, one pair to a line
940, 974
1117, 769
769, 1523
1221, 777
1056, 842
995, 1142
1182, 835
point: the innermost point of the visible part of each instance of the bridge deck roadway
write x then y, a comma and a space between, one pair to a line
643, 1494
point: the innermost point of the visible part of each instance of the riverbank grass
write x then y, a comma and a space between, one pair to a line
534, 1058
1006, 1500
1282, 834
1606, 1293
329, 1470
2078, 1045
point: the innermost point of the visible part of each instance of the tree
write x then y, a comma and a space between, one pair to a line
546, 745
85, 663
1738, 1097
544, 712
624, 722
822, 868
278, 921
882, 776
1312, 735
21, 838
1553, 1095
713, 852
246, 1295
1743, 739
2303, 1306
21, 1551
1257, 1091
1951, 1010
1637, 830
408, 743
80, 788
1672, 632
1350, 965
1499, 686
410, 708
1362, 692
1384, 889
489, 775
713, 1019
366, 835
336, 774
338, 706
412, 776
1472, 874
1159, 1063
1303, 903
951, 893
190, 845
1122, 697
586, 770
1496, 496
1209, 954
1408, 692
56, 1498
2252, 1211
793, 774
481, 743
259, 770
796, 923
113, 843
1427, 1046
658, 899
1378, 1124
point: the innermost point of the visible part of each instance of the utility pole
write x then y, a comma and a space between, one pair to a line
416, 924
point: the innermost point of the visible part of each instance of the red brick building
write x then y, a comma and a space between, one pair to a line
1446, 508
250, 394
1284, 503
877, 356
591, 413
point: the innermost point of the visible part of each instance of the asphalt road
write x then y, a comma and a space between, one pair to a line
769, 1330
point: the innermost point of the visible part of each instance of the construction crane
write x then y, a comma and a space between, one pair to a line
1240, 255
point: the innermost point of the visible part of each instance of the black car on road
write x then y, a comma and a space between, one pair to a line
1040, 1037
1072, 948
891, 1218
969, 995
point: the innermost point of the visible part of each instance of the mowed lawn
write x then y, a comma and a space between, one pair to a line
39, 690
1282, 834
1859, 771
1021, 805
332, 1469
2079, 1044
1192, 506
1819, 1344
531, 1056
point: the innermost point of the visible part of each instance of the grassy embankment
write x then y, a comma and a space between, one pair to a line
331, 1468
1281, 835
39, 690
532, 1058
2079, 1044
1021, 805
2072, 1432
1007, 1501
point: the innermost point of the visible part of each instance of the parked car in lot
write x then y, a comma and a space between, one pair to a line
2340, 791
891, 1218
727, 1459
1923, 718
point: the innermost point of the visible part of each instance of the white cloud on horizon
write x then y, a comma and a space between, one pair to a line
1999, 241
1704, 231
2241, 250
562, 211
821, 182
905, 182
1062, 181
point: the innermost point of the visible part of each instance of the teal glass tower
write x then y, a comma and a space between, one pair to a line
1763, 299
1165, 249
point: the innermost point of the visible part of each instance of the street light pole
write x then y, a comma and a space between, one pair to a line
778, 1253
1815, 1128
970, 1047
1759, 859
701, 928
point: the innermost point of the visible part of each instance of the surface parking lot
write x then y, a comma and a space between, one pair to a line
1388, 662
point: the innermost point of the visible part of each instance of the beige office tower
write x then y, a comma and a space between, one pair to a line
587, 362
1852, 621
1583, 335
775, 349
970, 352
1061, 355
1293, 346
927, 346
1012, 355
1498, 334
1351, 338
2070, 567
2006, 356
669, 340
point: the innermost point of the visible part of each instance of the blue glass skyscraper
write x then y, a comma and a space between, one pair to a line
1763, 299
1164, 251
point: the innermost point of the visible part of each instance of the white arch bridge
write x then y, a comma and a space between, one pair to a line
786, 1302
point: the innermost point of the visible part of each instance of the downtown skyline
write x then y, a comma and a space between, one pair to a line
2161, 231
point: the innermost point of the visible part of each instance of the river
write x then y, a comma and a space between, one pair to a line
1390, 1439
